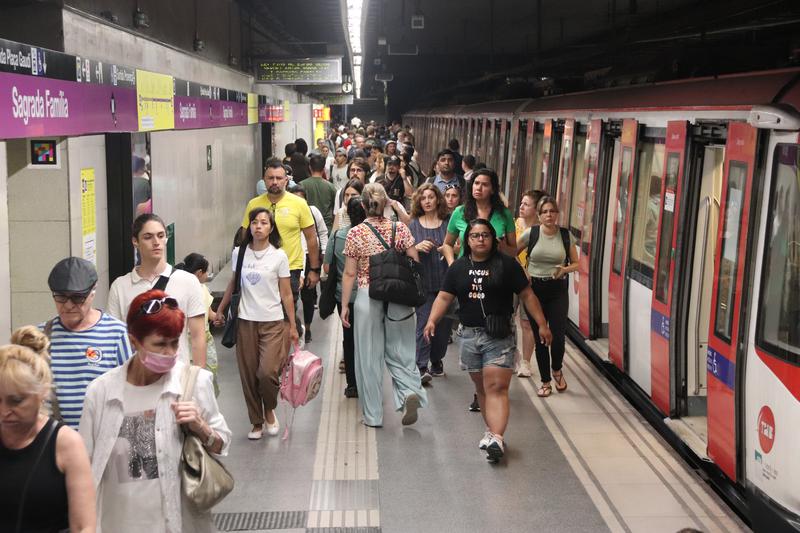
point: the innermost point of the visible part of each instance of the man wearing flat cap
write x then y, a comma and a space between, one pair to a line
84, 342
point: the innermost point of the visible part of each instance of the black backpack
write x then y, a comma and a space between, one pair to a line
393, 276
534, 238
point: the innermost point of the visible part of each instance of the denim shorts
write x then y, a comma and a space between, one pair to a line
479, 350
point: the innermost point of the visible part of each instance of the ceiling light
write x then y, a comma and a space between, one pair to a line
355, 20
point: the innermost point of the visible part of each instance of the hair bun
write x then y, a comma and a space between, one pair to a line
33, 338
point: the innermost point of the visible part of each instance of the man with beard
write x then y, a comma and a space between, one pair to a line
397, 186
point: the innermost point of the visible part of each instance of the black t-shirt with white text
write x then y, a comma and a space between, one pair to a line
494, 281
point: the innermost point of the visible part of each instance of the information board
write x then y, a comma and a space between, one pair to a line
302, 71
154, 95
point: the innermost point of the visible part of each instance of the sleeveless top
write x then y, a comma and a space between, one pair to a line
46, 508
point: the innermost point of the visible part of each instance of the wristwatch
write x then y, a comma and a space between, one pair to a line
210, 440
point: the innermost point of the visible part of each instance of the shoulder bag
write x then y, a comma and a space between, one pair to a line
393, 276
204, 480
229, 336
327, 297
498, 325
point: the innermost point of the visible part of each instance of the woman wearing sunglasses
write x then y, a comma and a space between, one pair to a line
262, 334
485, 281
131, 425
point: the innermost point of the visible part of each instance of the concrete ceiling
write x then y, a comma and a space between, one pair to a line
471, 50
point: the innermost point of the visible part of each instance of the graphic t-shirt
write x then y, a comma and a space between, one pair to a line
78, 357
130, 488
494, 282
261, 296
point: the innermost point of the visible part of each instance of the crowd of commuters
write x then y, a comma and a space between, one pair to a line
91, 400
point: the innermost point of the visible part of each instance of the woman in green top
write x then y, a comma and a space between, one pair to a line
549, 266
482, 201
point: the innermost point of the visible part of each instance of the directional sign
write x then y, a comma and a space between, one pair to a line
303, 71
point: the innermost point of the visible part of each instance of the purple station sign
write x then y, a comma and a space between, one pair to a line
32, 106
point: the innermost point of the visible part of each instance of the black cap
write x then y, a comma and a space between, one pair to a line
393, 160
72, 274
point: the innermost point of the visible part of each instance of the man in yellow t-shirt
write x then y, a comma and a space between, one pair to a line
292, 216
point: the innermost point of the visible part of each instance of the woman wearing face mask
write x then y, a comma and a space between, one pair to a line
131, 425
45, 477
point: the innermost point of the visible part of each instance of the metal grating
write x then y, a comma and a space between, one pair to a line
260, 521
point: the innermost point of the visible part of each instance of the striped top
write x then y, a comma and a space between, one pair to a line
78, 357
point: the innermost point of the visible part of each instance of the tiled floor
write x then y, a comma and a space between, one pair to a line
578, 461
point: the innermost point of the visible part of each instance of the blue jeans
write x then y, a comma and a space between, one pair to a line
479, 350
434, 351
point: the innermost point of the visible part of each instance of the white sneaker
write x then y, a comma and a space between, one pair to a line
524, 369
273, 429
495, 449
484, 442
256, 434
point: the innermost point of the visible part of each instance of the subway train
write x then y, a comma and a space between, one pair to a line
684, 199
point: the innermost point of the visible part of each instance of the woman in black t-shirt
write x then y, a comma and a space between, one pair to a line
484, 281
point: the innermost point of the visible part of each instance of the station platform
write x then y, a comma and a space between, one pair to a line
581, 461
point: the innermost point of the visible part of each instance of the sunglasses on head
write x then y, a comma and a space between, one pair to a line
151, 307
75, 298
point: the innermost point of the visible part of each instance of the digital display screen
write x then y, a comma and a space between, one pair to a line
43, 153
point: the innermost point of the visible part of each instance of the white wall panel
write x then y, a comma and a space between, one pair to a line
205, 206
5, 269
90, 152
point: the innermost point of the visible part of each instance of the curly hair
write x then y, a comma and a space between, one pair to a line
416, 201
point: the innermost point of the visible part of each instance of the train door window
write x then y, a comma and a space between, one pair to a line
478, 137
521, 175
647, 207
538, 153
726, 285
667, 219
778, 330
622, 209
578, 189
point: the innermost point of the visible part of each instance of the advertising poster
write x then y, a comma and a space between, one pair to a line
252, 108
88, 215
154, 98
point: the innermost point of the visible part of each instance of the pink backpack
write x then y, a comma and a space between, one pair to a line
302, 378
301, 381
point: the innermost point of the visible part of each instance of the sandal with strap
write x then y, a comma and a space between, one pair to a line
561, 383
545, 390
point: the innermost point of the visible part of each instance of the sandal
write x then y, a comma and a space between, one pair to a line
561, 383
545, 390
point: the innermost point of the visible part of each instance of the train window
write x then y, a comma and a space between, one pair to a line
726, 284
667, 219
589, 207
647, 207
538, 152
578, 189
778, 330
622, 209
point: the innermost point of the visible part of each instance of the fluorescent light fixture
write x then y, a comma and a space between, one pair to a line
354, 21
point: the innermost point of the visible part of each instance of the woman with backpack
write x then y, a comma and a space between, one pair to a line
335, 255
262, 332
552, 255
384, 332
485, 281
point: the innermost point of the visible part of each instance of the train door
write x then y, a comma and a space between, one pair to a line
661, 376
619, 212
576, 204
772, 387
501, 142
591, 159
514, 170
536, 133
563, 185
546, 150
723, 343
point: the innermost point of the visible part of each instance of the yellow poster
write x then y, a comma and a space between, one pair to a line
252, 108
155, 100
287, 110
88, 215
